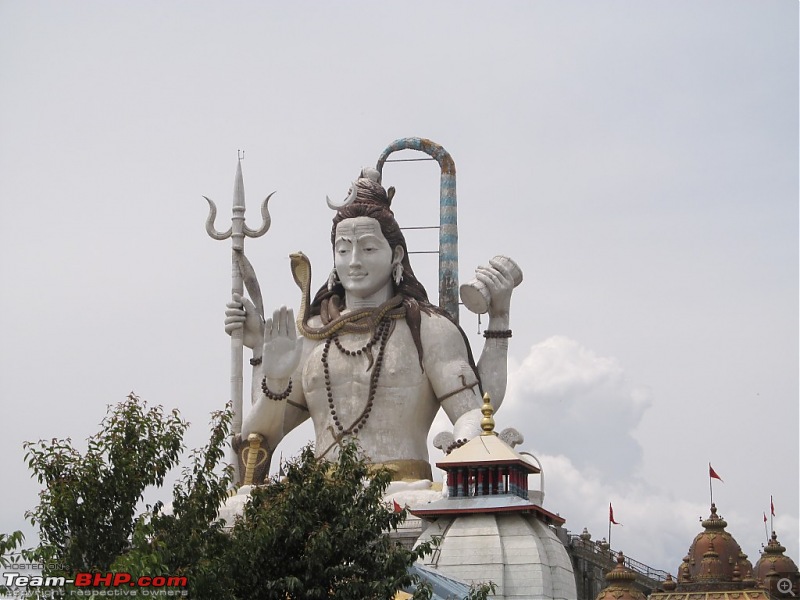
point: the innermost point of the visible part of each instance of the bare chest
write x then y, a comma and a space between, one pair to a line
360, 359
346, 377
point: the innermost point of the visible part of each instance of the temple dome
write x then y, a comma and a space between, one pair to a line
714, 568
517, 551
773, 566
714, 554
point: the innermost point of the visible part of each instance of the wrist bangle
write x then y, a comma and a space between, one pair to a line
500, 333
255, 361
277, 397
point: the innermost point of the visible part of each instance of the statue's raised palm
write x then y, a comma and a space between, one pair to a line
282, 349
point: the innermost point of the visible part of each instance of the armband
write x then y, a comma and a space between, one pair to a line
500, 333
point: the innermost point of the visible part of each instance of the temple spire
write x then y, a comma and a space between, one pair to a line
487, 422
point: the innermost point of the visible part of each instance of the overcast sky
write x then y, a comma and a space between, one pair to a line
638, 159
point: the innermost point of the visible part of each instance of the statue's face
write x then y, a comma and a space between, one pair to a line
362, 257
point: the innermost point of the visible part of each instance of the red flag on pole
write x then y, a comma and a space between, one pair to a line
713, 474
765, 518
771, 507
611, 515
396, 506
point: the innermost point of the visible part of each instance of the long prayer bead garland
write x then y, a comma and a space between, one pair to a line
382, 333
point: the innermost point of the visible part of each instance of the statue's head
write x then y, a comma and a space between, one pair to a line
364, 261
368, 202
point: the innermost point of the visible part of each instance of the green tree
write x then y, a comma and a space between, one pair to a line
320, 532
8, 551
8, 546
188, 539
88, 505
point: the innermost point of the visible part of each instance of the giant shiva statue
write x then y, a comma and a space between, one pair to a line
369, 356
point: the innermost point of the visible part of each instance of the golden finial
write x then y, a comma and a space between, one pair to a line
487, 422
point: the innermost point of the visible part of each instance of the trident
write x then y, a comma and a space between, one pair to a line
242, 274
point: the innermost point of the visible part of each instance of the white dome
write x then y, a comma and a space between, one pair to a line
518, 552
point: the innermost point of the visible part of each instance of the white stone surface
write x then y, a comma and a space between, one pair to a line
522, 555
234, 505
412, 493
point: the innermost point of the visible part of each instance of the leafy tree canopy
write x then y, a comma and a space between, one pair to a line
88, 504
319, 532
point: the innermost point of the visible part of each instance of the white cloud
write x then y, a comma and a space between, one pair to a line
576, 403
656, 526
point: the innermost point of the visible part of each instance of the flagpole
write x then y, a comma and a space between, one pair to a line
771, 514
710, 487
766, 533
611, 522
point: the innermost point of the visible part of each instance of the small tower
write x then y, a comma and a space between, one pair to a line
621, 583
489, 528
774, 566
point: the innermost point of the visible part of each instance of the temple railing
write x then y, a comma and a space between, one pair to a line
606, 558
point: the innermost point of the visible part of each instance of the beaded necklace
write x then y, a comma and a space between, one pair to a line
380, 336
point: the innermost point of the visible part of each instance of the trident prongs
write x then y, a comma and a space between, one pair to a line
212, 216
238, 229
251, 233
266, 221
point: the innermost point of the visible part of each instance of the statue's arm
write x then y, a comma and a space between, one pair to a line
274, 419
452, 378
493, 362
279, 404
297, 411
